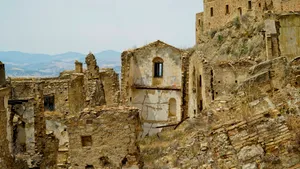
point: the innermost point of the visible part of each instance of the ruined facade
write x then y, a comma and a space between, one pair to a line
151, 81
105, 138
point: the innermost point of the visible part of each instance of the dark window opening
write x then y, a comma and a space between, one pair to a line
240, 11
259, 5
89, 121
249, 5
200, 81
227, 9
130, 99
201, 105
158, 69
49, 103
236, 81
211, 11
89, 167
124, 161
199, 22
104, 161
212, 85
86, 141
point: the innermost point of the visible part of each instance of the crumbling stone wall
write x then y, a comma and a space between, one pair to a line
2, 74
96, 131
50, 151
199, 27
110, 80
295, 71
6, 160
95, 95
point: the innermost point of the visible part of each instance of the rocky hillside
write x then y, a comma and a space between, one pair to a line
233, 133
255, 127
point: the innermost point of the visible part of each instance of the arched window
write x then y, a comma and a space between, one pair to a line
158, 65
172, 107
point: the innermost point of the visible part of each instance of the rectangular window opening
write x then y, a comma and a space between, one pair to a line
89, 121
86, 141
49, 103
211, 11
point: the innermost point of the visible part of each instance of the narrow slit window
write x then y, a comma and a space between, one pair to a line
200, 81
211, 11
249, 5
240, 11
227, 9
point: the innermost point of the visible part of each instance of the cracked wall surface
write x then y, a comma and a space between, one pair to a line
148, 93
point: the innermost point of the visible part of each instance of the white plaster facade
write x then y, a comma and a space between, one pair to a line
152, 95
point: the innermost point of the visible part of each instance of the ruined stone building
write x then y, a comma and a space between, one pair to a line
35, 112
217, 13
151, 81
234, 99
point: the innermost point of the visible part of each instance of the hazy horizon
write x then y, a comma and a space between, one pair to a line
55, 26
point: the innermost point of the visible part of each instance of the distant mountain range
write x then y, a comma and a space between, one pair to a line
44, 65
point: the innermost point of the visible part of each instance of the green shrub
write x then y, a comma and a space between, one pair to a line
220, 38
237, 23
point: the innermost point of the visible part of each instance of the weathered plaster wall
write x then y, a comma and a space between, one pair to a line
154, 104
227, 76
151, 94
114, 133
289, 38
142, 67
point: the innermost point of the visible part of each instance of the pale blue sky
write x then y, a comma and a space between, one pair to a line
57, 26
